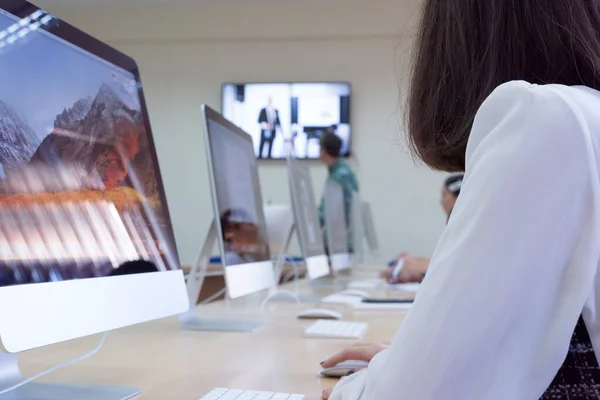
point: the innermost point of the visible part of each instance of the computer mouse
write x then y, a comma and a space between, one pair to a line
354, 292
344, 368
319, 313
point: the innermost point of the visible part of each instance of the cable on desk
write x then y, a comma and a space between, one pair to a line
57, 367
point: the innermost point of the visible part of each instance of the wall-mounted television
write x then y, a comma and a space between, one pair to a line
285, 118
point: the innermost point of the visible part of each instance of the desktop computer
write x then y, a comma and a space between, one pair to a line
369, 228
357, 231
307, 220
86, 242
239, 226
336, 228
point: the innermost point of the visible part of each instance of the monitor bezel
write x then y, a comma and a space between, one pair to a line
236, 276
48, 313
348, 156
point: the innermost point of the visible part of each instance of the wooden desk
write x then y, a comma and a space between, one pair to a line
169, 363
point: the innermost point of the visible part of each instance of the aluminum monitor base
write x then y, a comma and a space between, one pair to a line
10, 375
193, 322
195, 281
47, 391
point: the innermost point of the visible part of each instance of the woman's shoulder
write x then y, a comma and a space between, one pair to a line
528, 115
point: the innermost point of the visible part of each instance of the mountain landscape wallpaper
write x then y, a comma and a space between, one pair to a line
75, 110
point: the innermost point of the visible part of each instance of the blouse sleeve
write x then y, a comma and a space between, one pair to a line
512, 271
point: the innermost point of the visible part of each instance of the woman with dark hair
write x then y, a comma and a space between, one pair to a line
506, 91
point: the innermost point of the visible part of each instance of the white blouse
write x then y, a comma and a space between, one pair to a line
516, 265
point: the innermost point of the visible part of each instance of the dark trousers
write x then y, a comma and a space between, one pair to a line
264, 140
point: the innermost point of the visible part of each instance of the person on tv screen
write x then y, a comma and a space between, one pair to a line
269, 121
340, 172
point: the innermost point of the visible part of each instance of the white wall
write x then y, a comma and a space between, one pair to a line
186, 52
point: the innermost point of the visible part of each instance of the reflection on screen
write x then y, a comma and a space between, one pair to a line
305, 209
238, 197
79, 192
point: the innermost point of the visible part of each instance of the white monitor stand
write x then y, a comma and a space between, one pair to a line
191, 320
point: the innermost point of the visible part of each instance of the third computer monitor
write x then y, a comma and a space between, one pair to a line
238, 206
336, 226
307, 220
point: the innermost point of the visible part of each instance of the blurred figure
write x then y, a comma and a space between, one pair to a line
414, 268
269, 121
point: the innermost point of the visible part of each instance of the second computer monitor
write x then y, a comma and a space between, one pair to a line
238, 206
307, 220
336, 226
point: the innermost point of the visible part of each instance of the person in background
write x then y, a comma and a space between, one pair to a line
340, 172
268, 119
509, 92
414, 268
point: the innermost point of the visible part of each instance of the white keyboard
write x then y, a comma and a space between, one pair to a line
328, 329
231, 394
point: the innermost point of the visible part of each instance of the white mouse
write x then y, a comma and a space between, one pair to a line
344, 368
319, 313
355, 293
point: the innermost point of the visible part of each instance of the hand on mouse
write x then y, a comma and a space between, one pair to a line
358, 352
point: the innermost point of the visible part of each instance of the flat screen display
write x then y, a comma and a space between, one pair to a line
237, 195
81, 194
289, 118
305, 210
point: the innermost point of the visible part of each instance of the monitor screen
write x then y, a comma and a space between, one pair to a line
305, 210
237, 196
81, 194
289, 118
335, 219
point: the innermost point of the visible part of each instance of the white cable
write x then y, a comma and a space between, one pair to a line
57, 367
214, 296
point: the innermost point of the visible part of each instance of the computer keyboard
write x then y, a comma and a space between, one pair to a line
232, 394
336, 330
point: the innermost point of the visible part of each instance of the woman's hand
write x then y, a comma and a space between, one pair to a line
413, 270
358, 352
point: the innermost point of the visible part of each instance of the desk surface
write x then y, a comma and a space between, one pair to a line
169, 363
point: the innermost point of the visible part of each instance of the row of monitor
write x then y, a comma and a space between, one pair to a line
240, 220
86, 240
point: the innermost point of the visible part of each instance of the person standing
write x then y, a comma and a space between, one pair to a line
269, 121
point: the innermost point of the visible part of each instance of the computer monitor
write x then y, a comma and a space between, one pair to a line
81, 195
307, 220
369, 227
357, 230
336, 228
238, 206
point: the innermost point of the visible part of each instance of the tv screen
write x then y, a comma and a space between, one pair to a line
289, 118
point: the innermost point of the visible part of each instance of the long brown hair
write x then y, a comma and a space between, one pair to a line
466, 48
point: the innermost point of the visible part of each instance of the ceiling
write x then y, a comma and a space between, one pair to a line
106, 3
